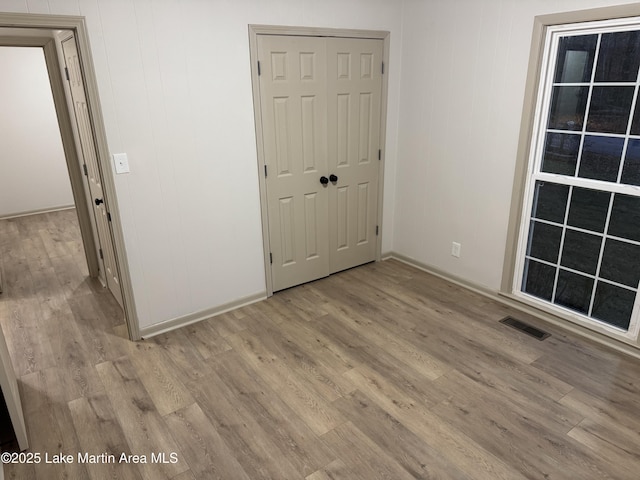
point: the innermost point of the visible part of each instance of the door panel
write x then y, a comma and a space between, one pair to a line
293, 99
88, 151
342, 129
320, 101
362, 215
354, 90
342, 217
311, 225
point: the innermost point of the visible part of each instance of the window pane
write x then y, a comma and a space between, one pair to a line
544, 241
601, 158
625, 217
588, 209
574, 291
610, 109
635, 125
575, 59
621, 263
568, 106
561, 153
619, 57
538, 279
581, 251
550, 201
631, 168
613, 305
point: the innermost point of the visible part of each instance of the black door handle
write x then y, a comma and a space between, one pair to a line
98, 201
324, 180
333, 178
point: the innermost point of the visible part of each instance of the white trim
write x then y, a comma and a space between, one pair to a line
37, 212
542, 106
624, 189
169, 325
596, 26
622, 345
257, 29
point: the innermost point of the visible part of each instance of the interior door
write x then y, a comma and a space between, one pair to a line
293, 97
354, 91
320, 103
89, 158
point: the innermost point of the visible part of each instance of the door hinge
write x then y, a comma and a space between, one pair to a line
101, 255
383, 68
270, 257
379, 154
265, 171
259, 68
377, 229
66, 73
84, 169
108, 216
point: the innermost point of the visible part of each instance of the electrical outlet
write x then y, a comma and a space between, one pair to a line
455, 249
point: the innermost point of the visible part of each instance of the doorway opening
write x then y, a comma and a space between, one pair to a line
49, 33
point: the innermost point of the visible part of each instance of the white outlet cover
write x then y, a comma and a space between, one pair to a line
121, 162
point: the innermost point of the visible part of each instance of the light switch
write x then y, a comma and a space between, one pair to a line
121, 162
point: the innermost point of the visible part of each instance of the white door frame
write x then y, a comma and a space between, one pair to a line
254, 31
27, 23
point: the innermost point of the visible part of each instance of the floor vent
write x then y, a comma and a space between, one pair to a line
525, 327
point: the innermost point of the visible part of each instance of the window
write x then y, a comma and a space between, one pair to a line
579, 249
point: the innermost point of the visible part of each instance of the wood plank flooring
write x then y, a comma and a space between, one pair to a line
380, 372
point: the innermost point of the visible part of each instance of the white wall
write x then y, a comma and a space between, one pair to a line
175, 88
33, 171
462, 88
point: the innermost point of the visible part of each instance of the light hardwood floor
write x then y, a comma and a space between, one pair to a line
381, 372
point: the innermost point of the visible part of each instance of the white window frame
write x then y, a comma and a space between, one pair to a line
533, 173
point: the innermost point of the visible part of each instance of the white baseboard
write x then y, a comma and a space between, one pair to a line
629, 349
36, 212
168, 325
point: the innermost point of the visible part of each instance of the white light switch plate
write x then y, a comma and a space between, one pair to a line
121, 162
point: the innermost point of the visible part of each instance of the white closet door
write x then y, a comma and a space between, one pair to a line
320, 102
354, 90
294, 121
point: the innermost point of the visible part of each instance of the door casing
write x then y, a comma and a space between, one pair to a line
31, 23
254, 31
